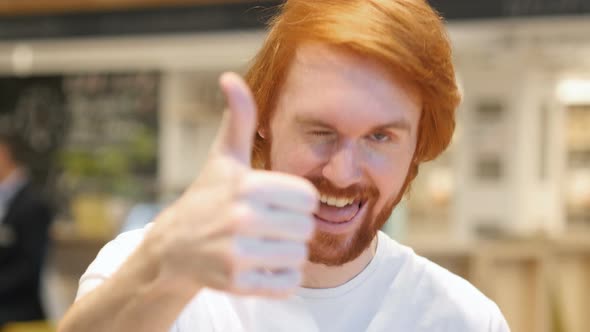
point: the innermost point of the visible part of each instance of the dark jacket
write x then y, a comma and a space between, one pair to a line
23, 245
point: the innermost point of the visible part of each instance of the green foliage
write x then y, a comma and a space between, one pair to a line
112, 168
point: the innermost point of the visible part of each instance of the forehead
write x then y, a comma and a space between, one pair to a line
333, 85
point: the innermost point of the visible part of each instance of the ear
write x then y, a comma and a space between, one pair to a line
261, 132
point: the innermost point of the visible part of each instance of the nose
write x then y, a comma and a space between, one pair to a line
343, 168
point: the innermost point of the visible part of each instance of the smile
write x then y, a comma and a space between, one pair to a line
339, 214
336, 201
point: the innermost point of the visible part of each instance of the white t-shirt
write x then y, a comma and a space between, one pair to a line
397, 291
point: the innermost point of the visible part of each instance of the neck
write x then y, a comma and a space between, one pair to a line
322, 276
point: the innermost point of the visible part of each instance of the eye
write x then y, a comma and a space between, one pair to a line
379, 137
321, 133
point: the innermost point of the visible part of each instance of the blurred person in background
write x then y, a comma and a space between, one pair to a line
25, 217
280, 230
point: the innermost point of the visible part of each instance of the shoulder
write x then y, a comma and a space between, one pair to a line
114, 253
110, 258
440, 299
464, 306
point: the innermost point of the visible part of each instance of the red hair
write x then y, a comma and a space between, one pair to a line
407, 37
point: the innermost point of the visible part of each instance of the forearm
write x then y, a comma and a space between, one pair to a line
136, 298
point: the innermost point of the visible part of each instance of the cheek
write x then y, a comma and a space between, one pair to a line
389, 175
291, 156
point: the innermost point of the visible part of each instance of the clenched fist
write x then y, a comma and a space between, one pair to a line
236, 229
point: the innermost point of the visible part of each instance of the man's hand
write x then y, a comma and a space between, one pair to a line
236, 229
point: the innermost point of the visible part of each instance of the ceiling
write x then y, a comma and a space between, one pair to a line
560, 44
35, 7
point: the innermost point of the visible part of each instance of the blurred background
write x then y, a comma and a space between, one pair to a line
117, 103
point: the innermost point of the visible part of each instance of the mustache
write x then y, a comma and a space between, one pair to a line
324, 186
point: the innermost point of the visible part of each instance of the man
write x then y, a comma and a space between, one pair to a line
24, 222
351, 97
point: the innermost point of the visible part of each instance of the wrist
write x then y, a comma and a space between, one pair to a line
158, 270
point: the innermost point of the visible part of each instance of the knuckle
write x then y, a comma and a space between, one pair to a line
242, 216
302, 227
293, 254
309, 194
305, 224
311, 190
304, 252
300, 253
306, 187
245, 186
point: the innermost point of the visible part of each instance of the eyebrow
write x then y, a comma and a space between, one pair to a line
399, 124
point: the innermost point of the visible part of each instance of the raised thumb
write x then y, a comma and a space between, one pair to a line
236, 134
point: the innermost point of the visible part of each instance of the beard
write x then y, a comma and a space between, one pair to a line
338, 249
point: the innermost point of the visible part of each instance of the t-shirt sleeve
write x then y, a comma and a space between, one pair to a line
195, 317
109, 260
498, 322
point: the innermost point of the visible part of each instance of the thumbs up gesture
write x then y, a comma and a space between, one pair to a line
236, 229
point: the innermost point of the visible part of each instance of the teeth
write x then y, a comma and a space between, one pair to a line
342, 202
334, 201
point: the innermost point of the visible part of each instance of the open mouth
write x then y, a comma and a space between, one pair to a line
339, 210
